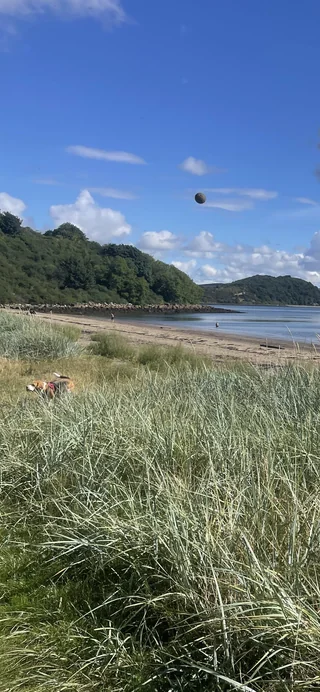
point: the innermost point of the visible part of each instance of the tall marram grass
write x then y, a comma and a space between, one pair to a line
163, 535
155, 357
111, 346
29, 338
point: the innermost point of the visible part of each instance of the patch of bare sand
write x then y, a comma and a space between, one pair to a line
217, 345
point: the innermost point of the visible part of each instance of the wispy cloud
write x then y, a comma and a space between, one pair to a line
254, 193
45, 181
305, 212
113, 193
231, 205
8, 31
236, 199
305, 200
110, 10
198, 167
102, 155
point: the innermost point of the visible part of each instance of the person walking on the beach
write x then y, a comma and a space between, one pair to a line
112, 317
217, 325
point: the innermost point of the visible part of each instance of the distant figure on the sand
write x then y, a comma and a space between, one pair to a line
217, 325
112, 317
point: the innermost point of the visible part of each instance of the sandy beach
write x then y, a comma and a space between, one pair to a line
217, 345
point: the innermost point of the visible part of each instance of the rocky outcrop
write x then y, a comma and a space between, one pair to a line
124, 309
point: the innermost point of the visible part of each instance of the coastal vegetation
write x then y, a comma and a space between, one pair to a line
62, 266
160, 528
263, 290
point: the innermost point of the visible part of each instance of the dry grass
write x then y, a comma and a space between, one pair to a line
160, 529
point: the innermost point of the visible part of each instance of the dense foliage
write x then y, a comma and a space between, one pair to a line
264, 290
62, 266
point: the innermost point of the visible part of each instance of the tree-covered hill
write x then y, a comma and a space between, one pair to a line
62, 266
263, 290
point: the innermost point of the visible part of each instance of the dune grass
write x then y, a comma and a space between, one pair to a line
111, 346
28, 338
153, 356
160, 532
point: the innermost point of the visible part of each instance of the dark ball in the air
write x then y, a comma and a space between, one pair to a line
200, 198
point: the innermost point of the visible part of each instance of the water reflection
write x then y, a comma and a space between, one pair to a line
297, 323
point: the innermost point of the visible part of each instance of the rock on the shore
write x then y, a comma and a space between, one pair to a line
126, 308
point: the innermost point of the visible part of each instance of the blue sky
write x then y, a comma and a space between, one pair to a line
115, 113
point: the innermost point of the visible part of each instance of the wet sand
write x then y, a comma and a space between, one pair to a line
217, 345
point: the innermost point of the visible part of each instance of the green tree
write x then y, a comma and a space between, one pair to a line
77, 273
10, 224
174, 286
123, 279
142, 262
68, 230
63, 266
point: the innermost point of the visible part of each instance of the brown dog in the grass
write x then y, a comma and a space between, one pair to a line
61, 385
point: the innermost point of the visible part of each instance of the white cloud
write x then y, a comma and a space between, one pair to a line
102, 155
197, 167
311, 256
113, 193
110, 10
208, 272
157, 242
186, 267
234, 262
99, 224
231, 262
305, 200
12, 204
237, 263
203, 245
254, 193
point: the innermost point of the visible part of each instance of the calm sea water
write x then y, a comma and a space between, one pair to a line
297, 323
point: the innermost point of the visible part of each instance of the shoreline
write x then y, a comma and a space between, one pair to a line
106, 309
221, 347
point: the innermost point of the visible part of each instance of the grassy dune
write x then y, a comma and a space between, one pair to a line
23, 337
160, 530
